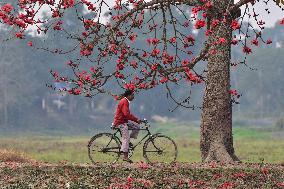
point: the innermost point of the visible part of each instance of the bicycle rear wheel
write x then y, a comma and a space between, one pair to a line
104, 147
160, 148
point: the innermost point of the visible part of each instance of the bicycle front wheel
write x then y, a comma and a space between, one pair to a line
160, 148
104, 147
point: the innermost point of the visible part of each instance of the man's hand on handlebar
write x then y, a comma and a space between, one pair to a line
142, 121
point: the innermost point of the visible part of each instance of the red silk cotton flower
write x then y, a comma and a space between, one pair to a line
7, 8
68, 3
247, 50
30, 43
19, 35
199, 24
235, 25
255, 42
222, 40
172, 40
134, 64
130, 86
132, 37
234, 42
233, 92
155, 52
269, 41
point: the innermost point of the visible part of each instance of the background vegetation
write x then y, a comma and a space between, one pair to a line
252, 145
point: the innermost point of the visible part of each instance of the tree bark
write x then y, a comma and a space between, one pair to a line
216, 141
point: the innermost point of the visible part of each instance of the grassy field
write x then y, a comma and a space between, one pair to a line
251, 145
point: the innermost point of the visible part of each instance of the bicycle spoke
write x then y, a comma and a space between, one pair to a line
160, 149
104, 148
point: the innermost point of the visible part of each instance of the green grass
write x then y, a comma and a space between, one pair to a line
251, 145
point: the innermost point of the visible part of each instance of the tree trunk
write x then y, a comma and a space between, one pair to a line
216, 141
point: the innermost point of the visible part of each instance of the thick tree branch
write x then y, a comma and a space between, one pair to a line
154, 3
236, 6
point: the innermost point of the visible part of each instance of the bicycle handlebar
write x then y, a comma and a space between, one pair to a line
145, 121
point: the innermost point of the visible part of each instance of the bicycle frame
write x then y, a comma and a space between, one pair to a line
148, 138
148, 135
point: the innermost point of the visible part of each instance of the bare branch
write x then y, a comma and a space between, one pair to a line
154, 3
201, 56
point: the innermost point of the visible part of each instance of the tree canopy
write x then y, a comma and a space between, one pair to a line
150, 41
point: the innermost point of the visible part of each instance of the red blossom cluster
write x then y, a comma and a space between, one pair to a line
247, 50
133, 37
195, 183
68, 3
222, 40
226, 185
30, 43
280, 185
168, 59
199, 24
143, 165
217, 176
173, 40
241, 175
89, 24
255, 42
153, 41
129, 183
130, 86
86, 49
12, 165
7, 8
192, 77
160, 61
234, 92
19, 35
188, 41
90, 5
155, 52
57, 26
235, 25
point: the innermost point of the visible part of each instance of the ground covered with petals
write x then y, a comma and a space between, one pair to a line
140, 175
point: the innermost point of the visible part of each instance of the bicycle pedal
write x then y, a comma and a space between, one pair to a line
131, 145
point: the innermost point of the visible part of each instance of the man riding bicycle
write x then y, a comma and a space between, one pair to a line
121, 121
108, 147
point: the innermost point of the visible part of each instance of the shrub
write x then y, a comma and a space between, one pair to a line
13, 156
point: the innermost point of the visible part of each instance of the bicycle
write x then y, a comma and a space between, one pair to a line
105, 147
